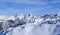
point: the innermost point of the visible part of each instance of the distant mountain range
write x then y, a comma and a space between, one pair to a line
30, 24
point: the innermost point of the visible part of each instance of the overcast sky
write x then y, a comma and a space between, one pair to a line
37, 7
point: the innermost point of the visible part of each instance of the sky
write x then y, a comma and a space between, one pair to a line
37, 7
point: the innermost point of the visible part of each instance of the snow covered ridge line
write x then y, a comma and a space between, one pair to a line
14, 21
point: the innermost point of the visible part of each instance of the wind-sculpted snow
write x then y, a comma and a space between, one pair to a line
30, 25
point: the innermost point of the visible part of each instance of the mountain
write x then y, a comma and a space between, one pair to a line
30, 24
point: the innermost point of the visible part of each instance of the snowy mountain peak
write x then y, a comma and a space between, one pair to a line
29, 24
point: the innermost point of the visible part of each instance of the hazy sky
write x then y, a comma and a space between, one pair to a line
38, 7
